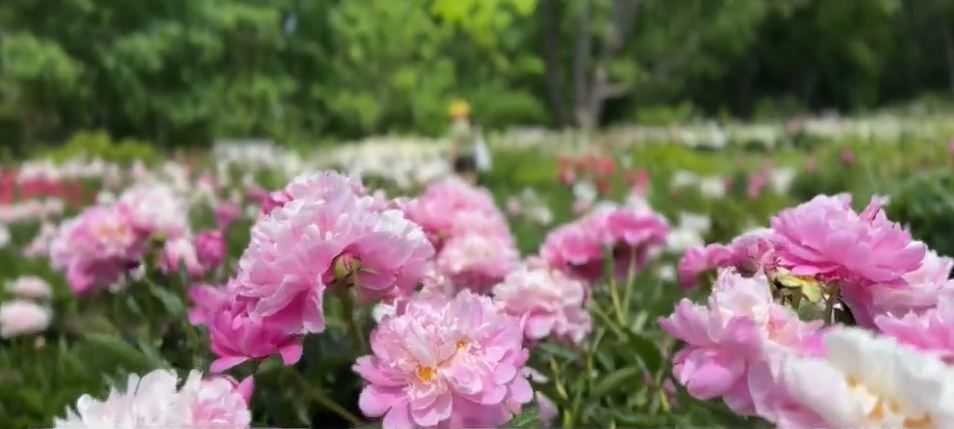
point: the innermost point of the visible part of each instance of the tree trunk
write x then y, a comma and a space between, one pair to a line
581, 64
949, 49
594, 90
552, 62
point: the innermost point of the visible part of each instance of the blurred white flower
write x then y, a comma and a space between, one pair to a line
22, 317
695, 222
712, 187
30, 287
4, 236
781, 179
683, 178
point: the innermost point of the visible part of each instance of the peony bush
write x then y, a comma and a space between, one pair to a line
231, 294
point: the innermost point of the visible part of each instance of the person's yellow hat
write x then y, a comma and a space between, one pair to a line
459, 109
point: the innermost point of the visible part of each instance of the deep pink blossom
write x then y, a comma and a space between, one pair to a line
445, 363
825, 238
225, 214
97, 247
210, 248
747, 253
238, 336
628, 233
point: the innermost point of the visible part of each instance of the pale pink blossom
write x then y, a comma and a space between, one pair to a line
156, 209
30, 287
548, 303
455, 363
40, 244
932, 331
731, 338
926, 286
154, 402
97, 247
439, 207
477, 261
22, 317
180, 252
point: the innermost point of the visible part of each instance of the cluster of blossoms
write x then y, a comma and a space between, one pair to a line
629, 234
474, 246
327, 234
154, 401
748, 346
102, 244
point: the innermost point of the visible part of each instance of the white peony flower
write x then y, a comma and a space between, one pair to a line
866, 381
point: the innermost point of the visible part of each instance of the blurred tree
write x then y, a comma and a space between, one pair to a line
187, 71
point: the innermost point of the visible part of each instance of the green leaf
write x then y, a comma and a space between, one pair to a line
526, 419
169, 300
647, 351
131, 356
614, 380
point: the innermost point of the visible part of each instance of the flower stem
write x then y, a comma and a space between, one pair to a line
830, 305
617, 305
354, 324
318, 395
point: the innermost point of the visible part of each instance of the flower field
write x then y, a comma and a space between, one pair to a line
792, 275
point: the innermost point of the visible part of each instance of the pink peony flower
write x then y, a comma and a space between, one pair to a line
866, 381
237, 336
180, 252
210, 248
154, 401
97, 247
477, 261
40, 245
547, 302
847, 157
747, 253
826, 239
445, 362
225, 214
731, 337
629, 233
931, 331
30, 287
926, 286
439, 207
157, 210
22, 317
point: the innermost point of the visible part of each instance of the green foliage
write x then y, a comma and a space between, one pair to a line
183, 72
925, 204
98, 144
664, 114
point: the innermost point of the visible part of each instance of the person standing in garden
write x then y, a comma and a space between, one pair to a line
467, 154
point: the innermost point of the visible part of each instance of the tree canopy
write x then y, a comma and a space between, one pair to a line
182, 72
